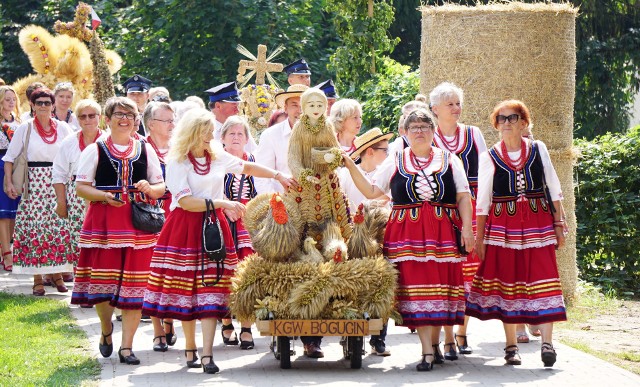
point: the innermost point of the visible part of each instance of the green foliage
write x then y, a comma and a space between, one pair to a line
385, 93
608, 210
363, 40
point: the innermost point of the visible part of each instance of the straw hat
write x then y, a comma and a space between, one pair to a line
292, 91
369, 138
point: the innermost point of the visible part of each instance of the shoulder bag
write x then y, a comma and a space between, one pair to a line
212, 242
20, 175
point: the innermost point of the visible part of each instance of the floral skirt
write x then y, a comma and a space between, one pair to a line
76, 209
175, 288
42, 241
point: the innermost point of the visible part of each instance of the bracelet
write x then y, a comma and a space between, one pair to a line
276, 175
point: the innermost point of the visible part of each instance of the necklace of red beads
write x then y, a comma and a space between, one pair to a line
417, 164
518, 163
115, 152
81, 143
452, 145
161, 155
201, 168
49, 137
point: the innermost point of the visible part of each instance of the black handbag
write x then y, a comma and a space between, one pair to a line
212, 242
147, 217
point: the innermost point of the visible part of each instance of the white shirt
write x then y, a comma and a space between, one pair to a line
217, 135
349, 187
486, 170
73, 121
4, 140
65, 165
38, 149
88, 163
476, 137
273, 153
388, 168
395, 147
182, 180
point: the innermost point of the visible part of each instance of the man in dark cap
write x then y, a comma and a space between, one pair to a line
137, 89
329, 90
223, 103
298, 73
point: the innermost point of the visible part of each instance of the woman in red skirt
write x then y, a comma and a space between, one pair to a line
519, 228
466, 142
183, 282
430, 193
114, 258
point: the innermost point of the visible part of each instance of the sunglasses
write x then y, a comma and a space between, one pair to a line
85, 116
513, 118
42, 103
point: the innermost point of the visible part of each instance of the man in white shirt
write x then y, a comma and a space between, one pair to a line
274, 141
223, 103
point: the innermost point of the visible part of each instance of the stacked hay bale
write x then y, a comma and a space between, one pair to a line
512, 51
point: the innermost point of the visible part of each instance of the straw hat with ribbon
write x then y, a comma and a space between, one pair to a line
368, 138
292, 91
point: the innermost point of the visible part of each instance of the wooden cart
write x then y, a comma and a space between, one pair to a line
353, 333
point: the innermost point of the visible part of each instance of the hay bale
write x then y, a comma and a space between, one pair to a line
505, 51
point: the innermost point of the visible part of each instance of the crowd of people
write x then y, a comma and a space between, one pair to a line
472, 232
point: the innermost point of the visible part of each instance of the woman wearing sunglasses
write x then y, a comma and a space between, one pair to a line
41, 239
68, 205
520, 225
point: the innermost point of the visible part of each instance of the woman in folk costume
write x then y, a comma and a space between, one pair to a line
183, 283
518, 233
114, 256
430, 193
466, 142
41, 239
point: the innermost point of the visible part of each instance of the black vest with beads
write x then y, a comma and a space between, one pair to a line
106, 174
403, 182
505, 178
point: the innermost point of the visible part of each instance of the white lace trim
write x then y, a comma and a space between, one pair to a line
426, 259
520, 246
486, 302
115, 246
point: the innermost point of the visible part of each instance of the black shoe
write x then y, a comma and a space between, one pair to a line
424, 365
145, 318
548, 354
131, 359
511, 355
106, 349
118, 317
437, 356
210, 367
161, 346
171, 336
246, 344
313, 351
192, 363
228, 340
464, 349
451, 354
378, 347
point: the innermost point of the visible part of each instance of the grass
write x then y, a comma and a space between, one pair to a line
42, 345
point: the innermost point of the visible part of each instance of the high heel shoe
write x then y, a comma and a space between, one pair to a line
424, 365
210, 367
131, 359
106, 349
161, 346
437, 356
61, 288
451, 354
464, 349
8, 267
171, 336
228, 340
548, 354
246, 344
192, 363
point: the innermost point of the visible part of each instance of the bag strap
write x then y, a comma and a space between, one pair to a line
26, 142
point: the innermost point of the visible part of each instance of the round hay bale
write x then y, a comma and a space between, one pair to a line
505, 51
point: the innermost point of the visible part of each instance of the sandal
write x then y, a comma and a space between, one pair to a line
424, 365
548, 354
161, 346
534, 330
228, 340
210, 367
511, 355
40, 292
246, 344
192, 363
106, 349
451, 354
522, 337
171, 336
60, 287
464, 349
8, 267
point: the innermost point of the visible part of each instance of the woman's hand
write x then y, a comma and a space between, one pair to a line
144, 187
481, 248
468, 240
233, 210
10, 190
348, 161
111, 200
286, 181
560, 236
61, 209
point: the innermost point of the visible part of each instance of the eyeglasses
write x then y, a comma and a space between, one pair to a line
43, 103
165, 121
121, 115
386, 150
85, 116
513, 118
419, 129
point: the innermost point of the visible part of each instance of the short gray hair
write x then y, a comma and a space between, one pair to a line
151, 109
343, 109
444, 91
233, 121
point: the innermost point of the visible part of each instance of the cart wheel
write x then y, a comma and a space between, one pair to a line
274, 347
355, 351
284, 348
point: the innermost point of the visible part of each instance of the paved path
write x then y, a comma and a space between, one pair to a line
258, 367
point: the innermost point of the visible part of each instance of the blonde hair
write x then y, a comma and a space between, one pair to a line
16, 111
64, 86
342, 110
87, 103
189, 132
196, 99
233, 121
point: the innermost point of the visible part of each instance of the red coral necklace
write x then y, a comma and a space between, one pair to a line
49, 137
116, 152
452, 145
518, 163
81, 143
161, 155
201, 168
417, 164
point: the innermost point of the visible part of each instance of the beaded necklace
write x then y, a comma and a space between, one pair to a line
517, 164
81, 143
116, 152
201, 168
49, 137
417, 164
161, 155
452, 145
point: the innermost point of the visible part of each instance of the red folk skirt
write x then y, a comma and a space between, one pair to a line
420, 241
175, 288
471, 265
